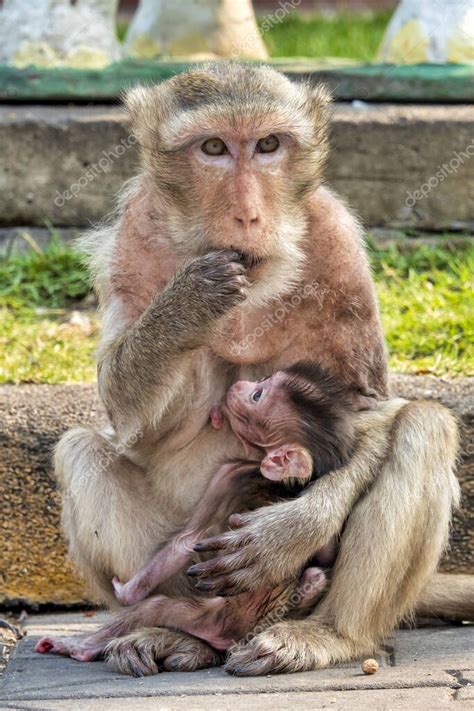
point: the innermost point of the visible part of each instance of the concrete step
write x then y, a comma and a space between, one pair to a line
67, 163
33, 555
423, 669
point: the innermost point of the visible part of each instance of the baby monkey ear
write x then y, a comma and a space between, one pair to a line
287, 462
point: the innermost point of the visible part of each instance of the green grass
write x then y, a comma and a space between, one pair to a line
427, 305
38, 340
425, 295
350, 35
53, 278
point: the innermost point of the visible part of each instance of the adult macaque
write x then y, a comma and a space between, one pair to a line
229, 260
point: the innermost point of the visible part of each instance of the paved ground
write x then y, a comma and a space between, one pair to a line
431, 668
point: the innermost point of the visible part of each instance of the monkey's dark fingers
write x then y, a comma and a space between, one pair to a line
227, 542
223, 258
222, 564
224, 585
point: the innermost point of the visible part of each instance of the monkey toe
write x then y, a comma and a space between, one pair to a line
45, 645
280, 649
259, 656
204, 659
150, 650
74, 647
127, 656
250, 666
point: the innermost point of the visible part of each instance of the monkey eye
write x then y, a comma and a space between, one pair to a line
256, 395
269, 144
214, 147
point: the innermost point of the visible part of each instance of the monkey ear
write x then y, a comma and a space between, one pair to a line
287, 462
321, 95
146, 107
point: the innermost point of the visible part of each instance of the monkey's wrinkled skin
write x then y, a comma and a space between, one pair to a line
229, 260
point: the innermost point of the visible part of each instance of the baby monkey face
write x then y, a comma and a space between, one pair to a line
260, 414
255, 409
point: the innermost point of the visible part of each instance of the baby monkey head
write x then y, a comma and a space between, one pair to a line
232, 151
300, 417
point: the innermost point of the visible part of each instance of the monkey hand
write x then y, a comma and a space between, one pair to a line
265, 548
215, 283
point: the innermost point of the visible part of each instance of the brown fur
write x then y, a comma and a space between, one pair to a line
170, 350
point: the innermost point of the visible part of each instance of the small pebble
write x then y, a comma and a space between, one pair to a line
370, 666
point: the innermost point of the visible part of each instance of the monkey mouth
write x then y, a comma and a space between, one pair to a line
250, 261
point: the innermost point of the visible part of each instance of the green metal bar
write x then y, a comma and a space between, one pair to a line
348, 81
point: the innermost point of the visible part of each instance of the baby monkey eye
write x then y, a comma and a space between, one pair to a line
256, 395
214, 147
269, 144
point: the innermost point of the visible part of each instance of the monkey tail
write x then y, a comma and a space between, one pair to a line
449, 597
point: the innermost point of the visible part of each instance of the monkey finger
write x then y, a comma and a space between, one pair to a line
222, 564
223, 585
219, 543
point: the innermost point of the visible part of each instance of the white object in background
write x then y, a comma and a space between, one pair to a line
204, 28
429, 31
51, 33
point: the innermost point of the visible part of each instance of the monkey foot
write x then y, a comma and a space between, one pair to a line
72, 647
149, 650
293, 646
128, 593
119, 588
276, 650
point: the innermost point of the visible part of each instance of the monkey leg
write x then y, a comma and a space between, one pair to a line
389, 551
202, 617
109, 514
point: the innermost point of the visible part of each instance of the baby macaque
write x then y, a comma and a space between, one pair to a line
294, 426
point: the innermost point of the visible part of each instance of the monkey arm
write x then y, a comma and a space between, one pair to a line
273, 543
136, 369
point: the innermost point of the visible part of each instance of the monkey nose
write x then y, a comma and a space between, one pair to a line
246, 223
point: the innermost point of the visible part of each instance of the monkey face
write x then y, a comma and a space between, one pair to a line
240, 179
258, 411
233, 151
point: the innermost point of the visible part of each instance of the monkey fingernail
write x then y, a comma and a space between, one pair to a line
193, 570
209, 545
205, 586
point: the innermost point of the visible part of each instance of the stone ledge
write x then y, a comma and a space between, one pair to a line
380, 155
33, 557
